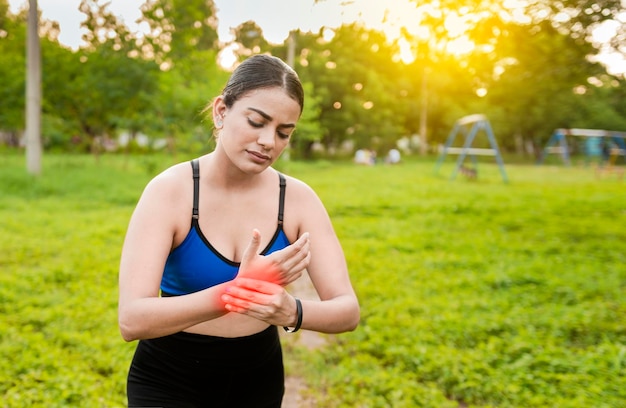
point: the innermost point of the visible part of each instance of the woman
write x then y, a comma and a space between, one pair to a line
205, 301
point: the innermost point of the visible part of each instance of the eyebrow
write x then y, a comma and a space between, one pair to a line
268, 117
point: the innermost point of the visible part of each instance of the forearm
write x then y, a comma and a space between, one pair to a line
153, 317
337, 315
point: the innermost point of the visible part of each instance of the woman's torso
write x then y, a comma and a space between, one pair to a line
218, 237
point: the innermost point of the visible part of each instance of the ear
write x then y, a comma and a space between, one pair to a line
219, 109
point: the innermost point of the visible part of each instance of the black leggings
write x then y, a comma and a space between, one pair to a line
192, 370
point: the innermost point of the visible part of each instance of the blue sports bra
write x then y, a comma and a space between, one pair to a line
195, 264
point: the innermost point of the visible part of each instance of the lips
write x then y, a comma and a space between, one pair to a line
258, 156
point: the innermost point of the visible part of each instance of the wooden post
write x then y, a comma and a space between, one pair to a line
33, 92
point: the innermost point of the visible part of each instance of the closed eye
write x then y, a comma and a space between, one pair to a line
255, 124
258, 125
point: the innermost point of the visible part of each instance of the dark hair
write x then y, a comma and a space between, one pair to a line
263, 71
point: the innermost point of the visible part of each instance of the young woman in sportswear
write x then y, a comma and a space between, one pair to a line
209, 252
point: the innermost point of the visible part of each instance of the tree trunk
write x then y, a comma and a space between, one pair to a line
33, 92
424, 115
291, 49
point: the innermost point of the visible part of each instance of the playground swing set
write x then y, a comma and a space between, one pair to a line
469, 126
608, 145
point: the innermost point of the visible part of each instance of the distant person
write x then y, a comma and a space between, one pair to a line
365, 156
210, 248
362, 156
372, 157
606, 150
393, 157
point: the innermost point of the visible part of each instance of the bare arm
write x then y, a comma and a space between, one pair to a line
149, 238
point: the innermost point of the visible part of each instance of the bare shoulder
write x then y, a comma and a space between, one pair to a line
169, 194
300, 191
170, 182
304, 206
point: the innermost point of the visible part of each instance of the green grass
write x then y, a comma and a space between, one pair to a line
473, 293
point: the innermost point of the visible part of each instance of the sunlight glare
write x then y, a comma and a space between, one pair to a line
228, 57
407, 15
406, 54
517, 10
455, 25
460, 46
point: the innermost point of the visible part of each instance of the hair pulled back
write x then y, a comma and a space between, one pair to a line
263, 71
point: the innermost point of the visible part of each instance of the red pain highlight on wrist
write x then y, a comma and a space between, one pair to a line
268, 274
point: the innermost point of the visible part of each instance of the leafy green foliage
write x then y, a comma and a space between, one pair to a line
111, 85
357, 102
309, 129
473, 293
531, 64
12, 69
250, 40
535, 93
180, 27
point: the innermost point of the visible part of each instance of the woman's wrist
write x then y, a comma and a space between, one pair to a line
298, 323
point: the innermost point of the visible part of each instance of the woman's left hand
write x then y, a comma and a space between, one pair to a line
281, 267
262, 300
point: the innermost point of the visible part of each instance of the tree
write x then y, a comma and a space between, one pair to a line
183, 41
545, 42
12, 71
358, 85
177, 28
103, 85
599, 104
33, 93
534, 88
249, 39
183, 93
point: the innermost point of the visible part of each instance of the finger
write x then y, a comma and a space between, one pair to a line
294, 253
235, 304
296, 269
301, 244
301, 262
246, 301
246, 294
253, 247
293, 277
304, 263
235, 309
303, 239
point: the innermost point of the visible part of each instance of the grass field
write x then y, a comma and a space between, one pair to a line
474, 293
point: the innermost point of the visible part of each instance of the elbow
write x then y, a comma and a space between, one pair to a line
127, 334
127, 330
355, 318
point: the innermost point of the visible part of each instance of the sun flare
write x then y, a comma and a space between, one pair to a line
397, 16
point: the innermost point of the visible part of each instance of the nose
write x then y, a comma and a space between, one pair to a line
266, 137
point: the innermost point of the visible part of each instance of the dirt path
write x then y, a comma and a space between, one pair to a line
295, 385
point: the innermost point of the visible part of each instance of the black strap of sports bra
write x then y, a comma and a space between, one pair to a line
196, 187
281, 203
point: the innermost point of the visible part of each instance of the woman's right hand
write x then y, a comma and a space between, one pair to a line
280, 267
